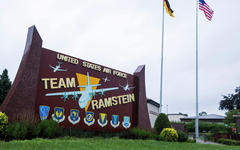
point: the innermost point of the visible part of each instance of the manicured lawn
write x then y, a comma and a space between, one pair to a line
106, 144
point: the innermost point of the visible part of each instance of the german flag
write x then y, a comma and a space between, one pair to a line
168, 8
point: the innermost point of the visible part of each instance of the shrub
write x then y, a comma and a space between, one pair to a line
209, 136
19, 130
3, 123
169, 134
191, 141
228, 141
137, 133
48, 129
77, 132
190, 126
182, 136
161, 123
207, 127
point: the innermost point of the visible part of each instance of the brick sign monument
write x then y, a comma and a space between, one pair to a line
75, 92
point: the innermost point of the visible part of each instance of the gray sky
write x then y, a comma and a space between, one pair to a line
123, 34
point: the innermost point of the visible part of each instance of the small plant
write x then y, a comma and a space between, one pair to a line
209, 136
19, 130
161, 123
169, 134
3, 123
48, 129
137, 133
182, 136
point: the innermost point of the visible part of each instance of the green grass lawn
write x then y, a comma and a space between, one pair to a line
103, 144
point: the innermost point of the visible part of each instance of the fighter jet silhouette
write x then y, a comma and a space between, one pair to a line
105, 79
126, 87
58, 67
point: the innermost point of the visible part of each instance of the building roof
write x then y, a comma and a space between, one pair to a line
153, 102
177, 114
206, 117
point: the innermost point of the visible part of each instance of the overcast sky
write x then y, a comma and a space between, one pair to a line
123, 34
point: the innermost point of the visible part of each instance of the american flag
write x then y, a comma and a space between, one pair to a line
206, 9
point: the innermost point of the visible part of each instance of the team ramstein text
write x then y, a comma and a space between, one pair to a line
112, 101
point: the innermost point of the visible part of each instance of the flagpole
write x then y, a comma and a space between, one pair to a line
196, 121
161, 77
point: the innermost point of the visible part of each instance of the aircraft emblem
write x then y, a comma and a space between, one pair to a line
102, 121
57, 67
127, 87
86, 94
74, 116
43, 111
126, 122
58, 114
89, 120
115, 121
105, 79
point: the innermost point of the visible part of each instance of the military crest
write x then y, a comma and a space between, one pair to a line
115, 121
43, 111
126, 122
58, 114
74, 116
89, 120
102, 121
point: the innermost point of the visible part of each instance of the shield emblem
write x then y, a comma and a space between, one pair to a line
43, 111
89, 120
74, 116
126, 122
58, 114
115, 121
102, 121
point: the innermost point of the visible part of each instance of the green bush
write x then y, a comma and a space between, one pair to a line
136, 133
169, 134
19, 130
77, 132
209, 136
3, 123
228, 141
161, 123
191, 141
207, 127
48, 129
182, 136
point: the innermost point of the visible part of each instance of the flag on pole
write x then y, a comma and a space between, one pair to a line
168, 8
206, 9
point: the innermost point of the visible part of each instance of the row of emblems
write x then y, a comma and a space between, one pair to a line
88, 120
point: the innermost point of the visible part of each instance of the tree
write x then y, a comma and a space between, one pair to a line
203, 113
230, 119
161, 123
5, 85
231, 100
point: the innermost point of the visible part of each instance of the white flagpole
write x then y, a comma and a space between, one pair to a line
196, 121
161, 77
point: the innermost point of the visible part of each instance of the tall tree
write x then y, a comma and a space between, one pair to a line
203, 113
230, 101
5, 85
231, 119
